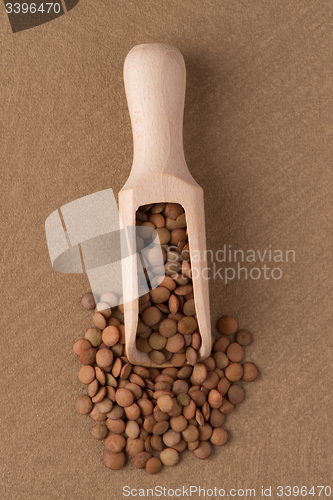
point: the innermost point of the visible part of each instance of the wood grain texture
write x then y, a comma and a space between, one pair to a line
155, 76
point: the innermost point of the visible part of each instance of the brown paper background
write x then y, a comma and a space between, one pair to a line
258, 138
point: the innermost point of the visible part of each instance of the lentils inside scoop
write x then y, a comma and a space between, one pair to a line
167, 329
155, 414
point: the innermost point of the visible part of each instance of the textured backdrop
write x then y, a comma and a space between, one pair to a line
258, 138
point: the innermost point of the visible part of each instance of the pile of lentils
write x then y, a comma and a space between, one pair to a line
154, 414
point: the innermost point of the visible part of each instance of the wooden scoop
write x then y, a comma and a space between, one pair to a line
155, 76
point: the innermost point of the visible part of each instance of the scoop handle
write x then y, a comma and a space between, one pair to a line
155, 79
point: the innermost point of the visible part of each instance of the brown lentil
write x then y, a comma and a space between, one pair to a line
116, 426
80, 346
88, 301
93, 388
235, 394
227, 325
99, 431
187, 325
168, 327
173, 210
185, 372
99, 320
250, 372
88, 356
171, 438
211, 381
146, 406
169, 457
157, 341
157, 208
132, 412
214, 399
83, 405
94, 335
190, 434
86, 374
115, 443
199, 418
226, 407
221, 344
151, 315
153, 465
221, 360
199, 373
198, 397
104, 309
193, 446
157, 442
175, 343
165, 403
157, 357
112, 321
159, 295
183, 399
104, 406
134, 446
219, 436
223, 386
203, 450
235, 352
100, 375
136, 379
161, 428
244, 337
189, 410
209, 363
101, 393
132, 429
116, 412
140, 459
178, 359
148, 445
191, 356
234, 372
96, 415
124, 397
104, 357
216, 418
206, 411
114, 461
149, 423
110, 335
160, 235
